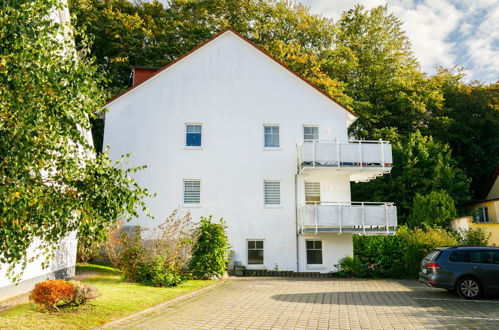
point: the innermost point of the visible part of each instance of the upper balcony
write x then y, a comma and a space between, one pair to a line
347, 217
363, 160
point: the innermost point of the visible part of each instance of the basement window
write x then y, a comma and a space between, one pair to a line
255, 252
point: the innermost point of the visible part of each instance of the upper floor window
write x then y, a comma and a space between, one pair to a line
312, 192
192, 191
310, 133
482, 214
271, 133
193, 135
272, 192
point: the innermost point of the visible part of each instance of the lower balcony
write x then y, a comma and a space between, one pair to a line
347, 217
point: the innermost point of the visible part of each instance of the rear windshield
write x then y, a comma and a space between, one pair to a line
432, 255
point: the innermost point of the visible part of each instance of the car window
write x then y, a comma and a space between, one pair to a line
481, 256
494, 257
432, 255
458, 256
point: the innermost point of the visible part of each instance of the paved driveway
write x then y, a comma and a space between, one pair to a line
297, 303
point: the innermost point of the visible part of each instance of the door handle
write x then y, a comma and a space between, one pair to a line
477, 268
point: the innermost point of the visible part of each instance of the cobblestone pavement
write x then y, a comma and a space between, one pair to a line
297, 303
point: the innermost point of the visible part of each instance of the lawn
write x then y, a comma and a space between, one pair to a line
117, 299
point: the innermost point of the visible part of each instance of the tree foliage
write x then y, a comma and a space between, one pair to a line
433, 209
51, 182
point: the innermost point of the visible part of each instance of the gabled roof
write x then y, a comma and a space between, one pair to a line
255, 46
493, 181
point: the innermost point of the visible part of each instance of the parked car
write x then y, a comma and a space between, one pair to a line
471, 271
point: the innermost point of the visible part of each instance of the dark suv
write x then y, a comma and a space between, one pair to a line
471, 271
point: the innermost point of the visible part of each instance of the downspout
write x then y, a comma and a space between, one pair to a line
296, 224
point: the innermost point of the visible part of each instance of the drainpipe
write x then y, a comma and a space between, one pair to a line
296, 224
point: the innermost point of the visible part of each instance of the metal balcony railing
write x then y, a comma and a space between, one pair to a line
355, 153
347, 217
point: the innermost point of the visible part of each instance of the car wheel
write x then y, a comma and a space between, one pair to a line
469, 288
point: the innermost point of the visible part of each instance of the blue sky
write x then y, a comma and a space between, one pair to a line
442, 32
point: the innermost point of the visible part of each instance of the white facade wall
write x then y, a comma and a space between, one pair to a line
232, 89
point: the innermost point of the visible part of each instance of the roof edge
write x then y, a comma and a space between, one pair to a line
252, 44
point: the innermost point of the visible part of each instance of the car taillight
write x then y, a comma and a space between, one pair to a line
433, 266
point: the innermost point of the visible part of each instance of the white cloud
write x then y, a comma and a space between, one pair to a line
442, 32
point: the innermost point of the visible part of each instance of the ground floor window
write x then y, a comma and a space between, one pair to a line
255, 252
314, 252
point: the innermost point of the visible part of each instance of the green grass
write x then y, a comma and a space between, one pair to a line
117, 299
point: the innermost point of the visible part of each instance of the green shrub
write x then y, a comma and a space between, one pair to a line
400, 255
433, 209
419, 242
350, 266
211, 252
473, 237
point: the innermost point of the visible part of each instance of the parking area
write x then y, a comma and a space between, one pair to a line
302, 303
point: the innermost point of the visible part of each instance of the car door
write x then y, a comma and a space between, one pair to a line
486, 268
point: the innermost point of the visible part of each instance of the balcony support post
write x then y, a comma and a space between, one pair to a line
314, 152
360, 153
316, 215
363, 218
340, 218
338, 152
386, 219
382, 154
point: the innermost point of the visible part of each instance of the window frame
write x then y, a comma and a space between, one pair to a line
186, 146
188, 204
305, 192
272, 205
255, 249
278, 147
314, 249
310, 126
482, 212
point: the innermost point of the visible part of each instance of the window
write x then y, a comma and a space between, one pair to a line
312, 192
255, 252
272, 192
193, 135
484, 256
310, 133
271, 136
314, 252
192, 191
458, 256
482, 214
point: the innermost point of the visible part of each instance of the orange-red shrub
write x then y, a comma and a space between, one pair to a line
49, 293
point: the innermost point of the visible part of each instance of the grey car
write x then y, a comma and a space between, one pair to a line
471, 271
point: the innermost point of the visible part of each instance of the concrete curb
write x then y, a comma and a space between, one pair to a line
153, 308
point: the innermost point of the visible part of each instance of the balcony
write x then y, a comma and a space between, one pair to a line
347, 217
363, 160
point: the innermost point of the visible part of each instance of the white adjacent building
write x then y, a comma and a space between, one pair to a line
228, 131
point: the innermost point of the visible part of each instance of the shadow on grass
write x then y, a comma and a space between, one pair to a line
97, 268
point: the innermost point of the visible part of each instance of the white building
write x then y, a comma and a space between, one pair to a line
228, 131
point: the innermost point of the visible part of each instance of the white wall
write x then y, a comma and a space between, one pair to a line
233, 90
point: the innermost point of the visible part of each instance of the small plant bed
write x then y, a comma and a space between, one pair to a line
117, 299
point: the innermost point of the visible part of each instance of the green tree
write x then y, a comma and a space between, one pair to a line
469, 123
420, 165
433, 209
211, 252
372, 56
52, 183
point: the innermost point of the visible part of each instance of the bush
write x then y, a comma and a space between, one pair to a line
400, 255
211, 252
433, 209
160, 261
49, 293
351, 266
473, 237
82, 293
